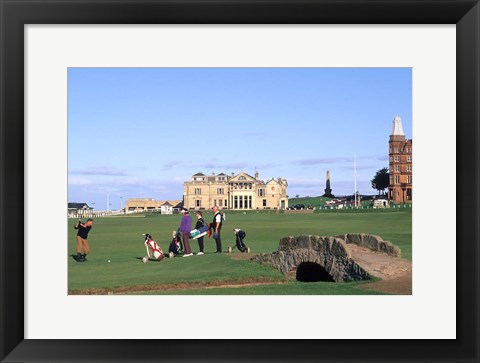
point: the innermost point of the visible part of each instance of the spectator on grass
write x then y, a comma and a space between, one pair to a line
185, 228
83, 248
200, 223
216, 225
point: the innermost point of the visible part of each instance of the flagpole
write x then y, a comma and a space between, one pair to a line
355, 177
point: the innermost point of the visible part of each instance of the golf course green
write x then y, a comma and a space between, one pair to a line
115, 266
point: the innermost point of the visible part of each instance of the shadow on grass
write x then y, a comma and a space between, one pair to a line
150, 259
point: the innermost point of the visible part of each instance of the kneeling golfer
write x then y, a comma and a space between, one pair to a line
82, 244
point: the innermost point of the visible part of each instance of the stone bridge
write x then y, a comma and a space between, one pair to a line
316, 258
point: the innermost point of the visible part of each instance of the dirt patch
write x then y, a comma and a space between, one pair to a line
395, 272
260, 280
240, 256
399, 286
246, 285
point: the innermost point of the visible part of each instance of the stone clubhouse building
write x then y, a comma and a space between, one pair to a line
234, 192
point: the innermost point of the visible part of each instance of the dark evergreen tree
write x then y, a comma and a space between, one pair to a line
381, 180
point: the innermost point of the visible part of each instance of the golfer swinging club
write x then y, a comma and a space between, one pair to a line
83, 248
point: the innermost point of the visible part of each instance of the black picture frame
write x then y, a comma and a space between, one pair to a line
15, 14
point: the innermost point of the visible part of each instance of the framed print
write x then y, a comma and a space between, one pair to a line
42, 320
246, 191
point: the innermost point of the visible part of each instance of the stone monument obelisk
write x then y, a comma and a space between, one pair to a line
328, 190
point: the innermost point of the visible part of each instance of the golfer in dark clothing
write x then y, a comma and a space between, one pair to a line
83, 247
216, 225
200, 223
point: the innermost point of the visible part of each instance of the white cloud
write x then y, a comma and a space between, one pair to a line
79, 180
100, 170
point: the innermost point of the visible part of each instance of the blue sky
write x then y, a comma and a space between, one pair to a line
141, 132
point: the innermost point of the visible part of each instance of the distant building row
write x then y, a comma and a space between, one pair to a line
234, 192
79, 209
148, 204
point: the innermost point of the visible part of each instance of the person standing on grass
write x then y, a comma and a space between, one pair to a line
216, 225
185, 228
200, 223
83, 248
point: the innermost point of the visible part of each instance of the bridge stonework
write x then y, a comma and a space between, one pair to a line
332, 253
372, 242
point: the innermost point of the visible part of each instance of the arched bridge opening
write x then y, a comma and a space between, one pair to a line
312, 272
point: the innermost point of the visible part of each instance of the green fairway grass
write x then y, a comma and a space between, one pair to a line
289, 288
120, 240
317, 202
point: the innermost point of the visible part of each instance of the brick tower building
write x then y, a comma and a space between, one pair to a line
400, 156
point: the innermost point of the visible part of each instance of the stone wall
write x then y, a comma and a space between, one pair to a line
373, 242
329, 252
332, 253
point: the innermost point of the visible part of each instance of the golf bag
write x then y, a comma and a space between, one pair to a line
175, 246
200, 232
239, 236
153, 249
